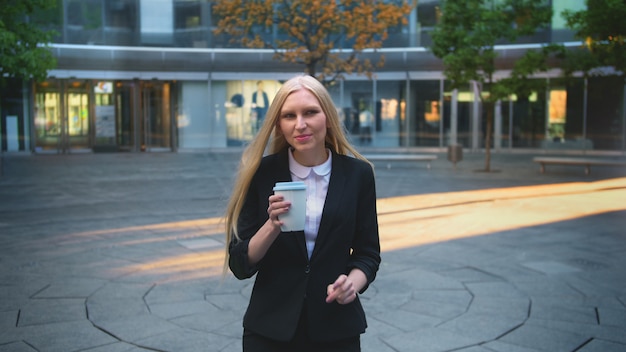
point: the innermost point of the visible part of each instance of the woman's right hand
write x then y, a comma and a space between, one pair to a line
277, 206
267, 234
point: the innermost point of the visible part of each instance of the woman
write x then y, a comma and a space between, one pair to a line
305, 294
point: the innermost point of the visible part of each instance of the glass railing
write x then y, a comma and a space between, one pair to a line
203, 37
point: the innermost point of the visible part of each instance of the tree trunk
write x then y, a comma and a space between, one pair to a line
310, 69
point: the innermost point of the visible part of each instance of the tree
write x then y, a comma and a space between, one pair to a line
465, 39
313, 32
603, 29
23, 53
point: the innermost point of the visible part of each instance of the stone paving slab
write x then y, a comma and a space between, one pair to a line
124, 252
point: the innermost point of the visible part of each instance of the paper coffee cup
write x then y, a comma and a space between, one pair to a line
294, 192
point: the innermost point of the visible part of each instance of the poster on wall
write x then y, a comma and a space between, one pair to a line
558, 102
103, 88
105, 121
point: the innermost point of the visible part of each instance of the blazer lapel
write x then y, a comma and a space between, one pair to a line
285, 176
332, 204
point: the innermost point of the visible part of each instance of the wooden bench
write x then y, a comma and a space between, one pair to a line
401, 157
586, 162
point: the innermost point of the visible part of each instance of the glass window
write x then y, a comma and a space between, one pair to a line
564, 124
465, 99
425, 114
49, 19
506, 108
428, 13
120, 22
389, 111
157, 22
121, 14
190, 23
560, 31
359, 112
84, 21
605, 123
15, 115
529, 120
245, 108
192, 120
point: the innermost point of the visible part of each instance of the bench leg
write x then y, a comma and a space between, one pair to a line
542, 168
587, 169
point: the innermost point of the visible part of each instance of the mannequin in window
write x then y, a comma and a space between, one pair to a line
260, 103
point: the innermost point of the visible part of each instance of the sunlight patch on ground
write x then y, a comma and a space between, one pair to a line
403, 221
421, 219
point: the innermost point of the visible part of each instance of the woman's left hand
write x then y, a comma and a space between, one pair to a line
342, 290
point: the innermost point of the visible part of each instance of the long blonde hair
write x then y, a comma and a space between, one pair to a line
336, 140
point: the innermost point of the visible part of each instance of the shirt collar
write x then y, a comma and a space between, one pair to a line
302, 171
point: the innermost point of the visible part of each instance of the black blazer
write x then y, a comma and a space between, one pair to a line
285, 278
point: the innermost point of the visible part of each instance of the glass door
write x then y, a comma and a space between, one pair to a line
48, 124
77, 123
62, 118
125, 110
156, 119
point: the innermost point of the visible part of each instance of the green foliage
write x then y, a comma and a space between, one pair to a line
468, 32
602, 27
465, 39
22, 51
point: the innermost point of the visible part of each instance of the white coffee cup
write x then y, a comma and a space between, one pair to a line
295, 193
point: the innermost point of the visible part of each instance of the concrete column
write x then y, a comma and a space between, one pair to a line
441, 130
476, 114
407, 109
414, 35
497, 126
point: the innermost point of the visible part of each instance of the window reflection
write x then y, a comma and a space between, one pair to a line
388, 113
245, 108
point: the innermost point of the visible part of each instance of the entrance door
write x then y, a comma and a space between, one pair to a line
142, 110
143, 116
155, 124
78, 118
62, 118
126, 108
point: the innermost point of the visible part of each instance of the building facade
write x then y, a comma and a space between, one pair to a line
134, 75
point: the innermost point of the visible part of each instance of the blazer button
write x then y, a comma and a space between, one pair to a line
307, 269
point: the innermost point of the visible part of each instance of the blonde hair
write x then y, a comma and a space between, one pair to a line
336, 140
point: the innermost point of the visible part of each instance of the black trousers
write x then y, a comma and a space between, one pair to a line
300, 343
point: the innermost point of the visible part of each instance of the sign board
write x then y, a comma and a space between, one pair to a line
105, 121
13, 141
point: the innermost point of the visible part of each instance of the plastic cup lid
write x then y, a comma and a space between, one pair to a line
289, 186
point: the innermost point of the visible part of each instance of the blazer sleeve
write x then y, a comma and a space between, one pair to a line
253, 214
247, 226
366, 246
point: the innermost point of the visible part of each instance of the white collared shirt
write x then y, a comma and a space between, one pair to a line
316, 179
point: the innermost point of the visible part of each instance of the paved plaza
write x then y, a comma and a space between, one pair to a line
124, 253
